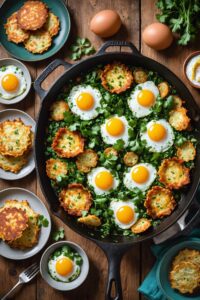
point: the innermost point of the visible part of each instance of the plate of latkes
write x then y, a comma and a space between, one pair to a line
16, 144
34, 30
25, 224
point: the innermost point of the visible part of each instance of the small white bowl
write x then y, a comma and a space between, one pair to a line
15, 62
64, 286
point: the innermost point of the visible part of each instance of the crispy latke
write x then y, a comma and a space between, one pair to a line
68, 143
75, 199
14, 32
87, 160
159, 202
178, 118
116, 78
13, 222
164, 89
110, 151
190, 255
173, 173
15, 138
140, 76
178, 102
38, 42
12, 164
58, 109
55, 168
90, 221
141, 225
52, 24
186, 152
185, 277
130, 159
32, 15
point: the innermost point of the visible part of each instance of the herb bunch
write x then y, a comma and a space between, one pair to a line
81, 47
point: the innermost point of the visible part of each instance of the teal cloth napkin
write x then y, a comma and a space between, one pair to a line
149, 287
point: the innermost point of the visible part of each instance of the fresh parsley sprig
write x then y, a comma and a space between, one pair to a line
81, 47
58, 234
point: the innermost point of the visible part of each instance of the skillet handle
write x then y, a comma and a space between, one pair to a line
48, 70
108, 44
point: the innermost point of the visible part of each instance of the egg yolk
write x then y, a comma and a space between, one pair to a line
125, 214
115, 126
156, 132
10, 82
104, 180
140, 174
146, 98
85, 101
64, 266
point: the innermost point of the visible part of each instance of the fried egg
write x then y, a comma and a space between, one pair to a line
124, 213
143, 98
115, 128
85, 101
12, 82
159, 136
62, 268
102, 180
140, 176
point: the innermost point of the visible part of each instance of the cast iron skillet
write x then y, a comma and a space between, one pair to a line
113, 246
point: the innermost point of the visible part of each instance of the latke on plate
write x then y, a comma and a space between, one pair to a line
52, 24
38, 42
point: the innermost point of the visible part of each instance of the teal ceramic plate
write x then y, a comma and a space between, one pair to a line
57, 7
163, 270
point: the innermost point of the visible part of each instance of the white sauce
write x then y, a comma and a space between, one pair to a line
189, 68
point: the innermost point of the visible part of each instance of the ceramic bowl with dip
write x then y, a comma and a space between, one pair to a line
191, 69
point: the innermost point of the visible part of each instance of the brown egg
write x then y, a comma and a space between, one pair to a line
157, 36
105, 23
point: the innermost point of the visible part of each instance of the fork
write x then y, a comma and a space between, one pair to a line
26, 276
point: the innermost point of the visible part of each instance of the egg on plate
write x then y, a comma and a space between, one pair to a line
12, 82
85, 101
102, 180
143, 98
140, 176
124, 213
159, 136
115, 128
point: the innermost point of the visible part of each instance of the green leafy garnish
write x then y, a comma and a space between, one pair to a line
58, 234
81, 47
42, 221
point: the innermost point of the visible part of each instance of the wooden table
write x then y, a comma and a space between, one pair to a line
137, 262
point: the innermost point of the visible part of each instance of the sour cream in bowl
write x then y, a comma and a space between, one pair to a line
192, 69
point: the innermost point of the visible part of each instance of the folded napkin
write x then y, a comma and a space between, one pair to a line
149, 287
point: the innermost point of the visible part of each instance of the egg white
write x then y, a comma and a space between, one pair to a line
22, 82
91, 180
55, 275
115, 205
85, 114
138, 110
131, 184
111, 140
163, 145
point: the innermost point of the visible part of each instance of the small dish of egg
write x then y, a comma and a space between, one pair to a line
64, 265
15, 81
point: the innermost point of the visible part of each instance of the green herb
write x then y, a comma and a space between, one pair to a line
59, 234
42, 221
81, 47
183, 17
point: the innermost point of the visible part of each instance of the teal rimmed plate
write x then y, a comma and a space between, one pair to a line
162, 275
17, 50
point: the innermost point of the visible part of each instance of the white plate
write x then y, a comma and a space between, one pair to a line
38, 207
11, 114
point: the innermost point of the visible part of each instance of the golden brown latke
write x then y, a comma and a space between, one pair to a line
159, 202
86, 160
185, 277
13, 222
190, 255
141, 225
55, 168
164, 89
140, 76
38, 42
32, 15
130, 159
90, 221
75, 198
14, 32
178, 102
116, 78
186, 152
12, 164
58, 109
68, 143
173, 173
110, 151
178, 119
52, 24
15, 138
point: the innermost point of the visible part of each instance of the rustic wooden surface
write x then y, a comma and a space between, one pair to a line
137, 262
